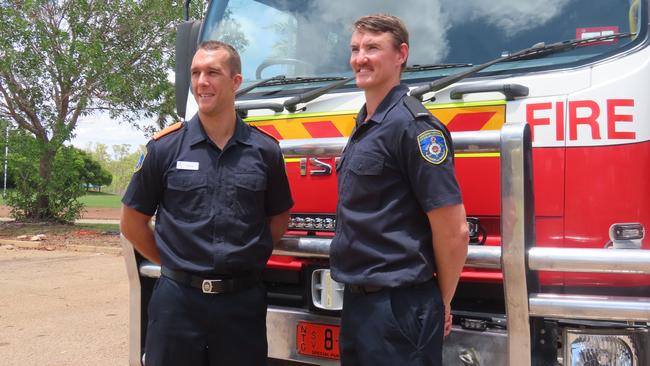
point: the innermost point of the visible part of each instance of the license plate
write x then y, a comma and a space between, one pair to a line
320, 340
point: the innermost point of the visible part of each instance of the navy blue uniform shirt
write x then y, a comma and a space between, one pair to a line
211, 206
396, 167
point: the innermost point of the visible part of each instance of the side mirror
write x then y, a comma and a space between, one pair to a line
187, 36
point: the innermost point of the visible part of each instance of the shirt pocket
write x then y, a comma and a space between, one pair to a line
360, 188
187, 195
367, 164
250, 189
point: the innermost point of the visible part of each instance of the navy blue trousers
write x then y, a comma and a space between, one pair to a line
399, 326
188, 327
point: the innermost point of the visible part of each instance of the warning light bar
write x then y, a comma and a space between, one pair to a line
312, 222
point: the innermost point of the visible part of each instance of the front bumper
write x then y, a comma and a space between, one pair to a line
462, 347
281, 326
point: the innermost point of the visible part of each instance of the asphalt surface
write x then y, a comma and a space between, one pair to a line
62, 308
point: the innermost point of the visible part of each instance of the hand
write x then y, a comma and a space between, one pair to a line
448, 319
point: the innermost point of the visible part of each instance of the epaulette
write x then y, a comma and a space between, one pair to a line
415, 107
267, 134
167, 130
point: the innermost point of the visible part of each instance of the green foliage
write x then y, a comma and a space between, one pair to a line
63, 187
120, 164
92, 173
122, 167
99, 153
60, 60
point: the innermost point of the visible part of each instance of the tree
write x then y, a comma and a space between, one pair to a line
120, 163
98, 152
122, 166
61, 60
92, 174
64, 187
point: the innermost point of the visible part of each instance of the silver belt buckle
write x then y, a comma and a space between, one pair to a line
207, 286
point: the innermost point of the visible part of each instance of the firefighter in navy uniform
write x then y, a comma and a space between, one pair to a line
400, 216
221, 197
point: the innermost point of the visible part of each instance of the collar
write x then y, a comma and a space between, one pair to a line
390, 100
196, 133
242, 132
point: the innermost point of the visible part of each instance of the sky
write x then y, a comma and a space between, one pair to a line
100, 128
259, 31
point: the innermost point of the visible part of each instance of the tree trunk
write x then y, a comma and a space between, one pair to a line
45, 173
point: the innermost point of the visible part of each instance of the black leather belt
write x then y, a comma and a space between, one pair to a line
212, 285
365, 290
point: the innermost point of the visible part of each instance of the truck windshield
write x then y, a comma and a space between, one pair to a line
310, 38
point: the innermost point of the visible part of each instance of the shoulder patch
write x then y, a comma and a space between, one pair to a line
167, 130
415, 107
140, 162
267, 134
433, 146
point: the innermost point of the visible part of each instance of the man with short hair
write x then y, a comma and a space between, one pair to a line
221, 197
400, 216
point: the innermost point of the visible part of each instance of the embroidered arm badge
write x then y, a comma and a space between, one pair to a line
433, 146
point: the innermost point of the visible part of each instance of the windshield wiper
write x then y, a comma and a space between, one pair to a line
416, 68
536, 51
243, 108
247, 89
283, 80
541, 49
291, 103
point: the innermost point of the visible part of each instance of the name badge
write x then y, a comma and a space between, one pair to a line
187, 165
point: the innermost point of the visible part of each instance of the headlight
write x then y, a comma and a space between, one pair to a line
584, 349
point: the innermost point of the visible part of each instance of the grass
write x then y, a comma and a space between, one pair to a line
2, 198
93, 199
12, 229
98, 227
101, 200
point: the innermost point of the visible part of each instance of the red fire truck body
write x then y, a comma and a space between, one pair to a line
580, 262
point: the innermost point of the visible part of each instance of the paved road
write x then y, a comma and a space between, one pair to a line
62, 308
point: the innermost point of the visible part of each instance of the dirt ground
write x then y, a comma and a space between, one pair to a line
61, 308
59, 237
58, 306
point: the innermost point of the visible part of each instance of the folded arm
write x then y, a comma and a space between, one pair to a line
450, 239
278, 225
134, 225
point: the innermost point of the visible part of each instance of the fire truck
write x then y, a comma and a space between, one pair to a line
548, 105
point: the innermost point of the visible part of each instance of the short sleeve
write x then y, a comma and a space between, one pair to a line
278, 194
145, 189
427, 158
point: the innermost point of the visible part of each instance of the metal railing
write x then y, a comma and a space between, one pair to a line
133, 272
516, 257
513, 143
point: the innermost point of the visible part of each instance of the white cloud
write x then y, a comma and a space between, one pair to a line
427, 20
100, 128
510, 16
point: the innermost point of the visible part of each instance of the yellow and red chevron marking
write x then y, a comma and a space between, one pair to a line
307, 126
468, 117
457, 117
